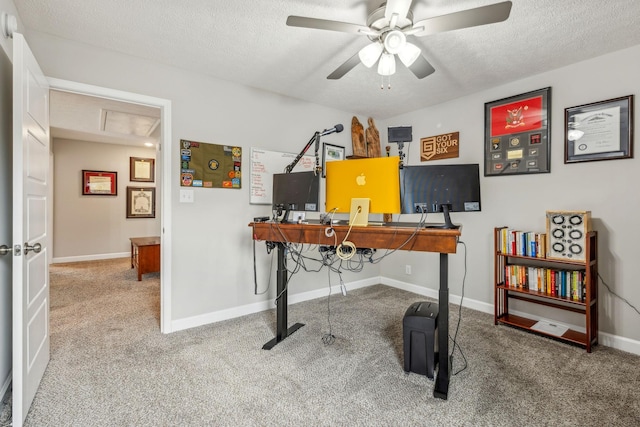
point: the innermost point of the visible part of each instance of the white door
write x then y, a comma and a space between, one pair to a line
30, 266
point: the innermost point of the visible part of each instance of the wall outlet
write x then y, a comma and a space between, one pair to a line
407, 269
186, 196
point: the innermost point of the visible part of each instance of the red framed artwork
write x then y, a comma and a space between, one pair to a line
517, 134
99, 183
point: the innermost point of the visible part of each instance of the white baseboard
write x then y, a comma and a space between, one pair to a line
5, 385
96, 257
606, 339
243, 310
620, 343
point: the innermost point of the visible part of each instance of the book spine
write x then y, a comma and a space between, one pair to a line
504, 239
532, 244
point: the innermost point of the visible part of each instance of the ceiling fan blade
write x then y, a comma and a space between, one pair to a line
344, 68
421, 67
324, 24
397, 7
467, 18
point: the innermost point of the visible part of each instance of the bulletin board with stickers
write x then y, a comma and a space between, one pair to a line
210, 165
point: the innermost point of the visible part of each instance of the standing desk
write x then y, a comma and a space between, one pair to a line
442, 241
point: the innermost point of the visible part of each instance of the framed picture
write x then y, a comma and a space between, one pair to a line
141, 169
599, 131
99, 183
517, 134
330, 153
141, 202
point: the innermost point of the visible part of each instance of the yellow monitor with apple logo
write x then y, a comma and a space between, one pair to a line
376, 179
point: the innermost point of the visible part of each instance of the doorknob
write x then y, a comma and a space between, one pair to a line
4, 249
35, 248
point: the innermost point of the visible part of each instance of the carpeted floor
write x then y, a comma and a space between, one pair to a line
110, 366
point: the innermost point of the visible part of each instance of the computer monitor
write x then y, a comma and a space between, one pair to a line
441, 188
376, 179
297, 191
400, 134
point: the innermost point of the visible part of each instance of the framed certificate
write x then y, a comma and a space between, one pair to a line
99, 183
141, 202
599, 131
517, 134
330, 153
141, 169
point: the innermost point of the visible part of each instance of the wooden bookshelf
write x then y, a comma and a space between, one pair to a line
528, 278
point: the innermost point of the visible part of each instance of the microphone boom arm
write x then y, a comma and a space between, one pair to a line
316, 138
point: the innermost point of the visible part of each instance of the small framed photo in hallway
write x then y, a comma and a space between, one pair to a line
141, 169
141, 202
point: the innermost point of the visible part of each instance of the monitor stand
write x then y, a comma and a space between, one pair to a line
285, 216
359, 212
444, 208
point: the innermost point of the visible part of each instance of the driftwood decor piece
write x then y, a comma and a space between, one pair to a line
357, 138
366, 143
373, 139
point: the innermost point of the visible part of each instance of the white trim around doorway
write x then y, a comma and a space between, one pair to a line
165, 150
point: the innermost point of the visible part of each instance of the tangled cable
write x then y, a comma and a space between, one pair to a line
341, 251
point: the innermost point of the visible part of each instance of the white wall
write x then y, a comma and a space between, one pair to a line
606, 188
95, 227
212, 267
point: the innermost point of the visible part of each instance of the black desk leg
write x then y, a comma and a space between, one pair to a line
281, 310
442, 380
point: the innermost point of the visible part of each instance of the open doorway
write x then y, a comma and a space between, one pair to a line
95, 141
144, 107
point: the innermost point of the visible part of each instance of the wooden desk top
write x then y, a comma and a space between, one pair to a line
404, 237
145, 241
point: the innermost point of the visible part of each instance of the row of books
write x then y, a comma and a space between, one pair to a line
523, 243
561, 283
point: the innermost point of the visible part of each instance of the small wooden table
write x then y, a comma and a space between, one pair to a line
145, 254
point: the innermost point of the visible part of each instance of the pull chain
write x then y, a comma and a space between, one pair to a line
382, 83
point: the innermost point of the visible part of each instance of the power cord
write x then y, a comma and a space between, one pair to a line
329, 338
616, 295
255, 274
455, 336
341, 250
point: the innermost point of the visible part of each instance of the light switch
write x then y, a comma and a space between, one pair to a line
186, 196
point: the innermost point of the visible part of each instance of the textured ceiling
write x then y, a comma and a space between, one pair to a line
85, 118
247, 42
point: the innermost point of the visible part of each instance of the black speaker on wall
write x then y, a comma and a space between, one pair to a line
567, 234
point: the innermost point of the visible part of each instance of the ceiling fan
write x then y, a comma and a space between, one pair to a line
388, 28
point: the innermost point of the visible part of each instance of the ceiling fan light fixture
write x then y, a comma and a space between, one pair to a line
394, 41
370, 53
387, 64
409, 54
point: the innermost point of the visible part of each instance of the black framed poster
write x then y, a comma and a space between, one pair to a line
517, 134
